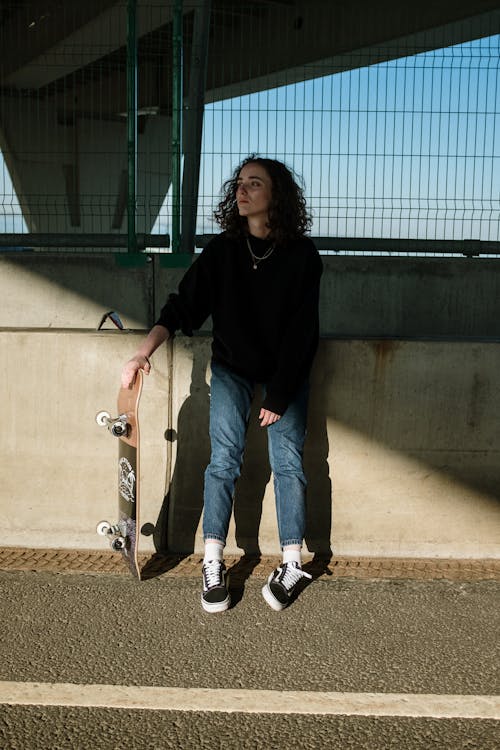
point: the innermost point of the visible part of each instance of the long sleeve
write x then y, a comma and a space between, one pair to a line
188, 309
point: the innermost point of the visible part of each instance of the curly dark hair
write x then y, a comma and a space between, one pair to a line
288, 215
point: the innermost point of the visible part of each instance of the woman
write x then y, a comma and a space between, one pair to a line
259, 280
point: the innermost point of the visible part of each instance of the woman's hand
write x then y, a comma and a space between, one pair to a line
157, 336
131, 368
268, 417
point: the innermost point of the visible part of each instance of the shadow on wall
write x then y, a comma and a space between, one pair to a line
183, 504
182, 508
433, 402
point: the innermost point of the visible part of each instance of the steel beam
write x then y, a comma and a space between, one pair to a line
131, 123
193, 115
177, 94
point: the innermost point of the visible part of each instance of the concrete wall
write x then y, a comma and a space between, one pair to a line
360, 296
403, 444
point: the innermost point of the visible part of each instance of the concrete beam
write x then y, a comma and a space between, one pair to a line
274, 43
95, 29
96, 151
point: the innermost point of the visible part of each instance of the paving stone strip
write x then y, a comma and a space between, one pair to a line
241, 567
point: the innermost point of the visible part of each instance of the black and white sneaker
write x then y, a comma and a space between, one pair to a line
282, 583
215, 596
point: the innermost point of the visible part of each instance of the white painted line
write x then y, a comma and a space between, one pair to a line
250, 701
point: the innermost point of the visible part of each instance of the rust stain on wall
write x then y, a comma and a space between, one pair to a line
384, 351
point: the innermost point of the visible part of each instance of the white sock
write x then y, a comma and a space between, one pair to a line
290, 554
213, 551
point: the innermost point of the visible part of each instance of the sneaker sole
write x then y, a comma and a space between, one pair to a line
216, 606
271, 599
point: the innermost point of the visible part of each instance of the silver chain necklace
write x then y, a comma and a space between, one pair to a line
255, 258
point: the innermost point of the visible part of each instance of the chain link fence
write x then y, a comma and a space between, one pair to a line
391, 118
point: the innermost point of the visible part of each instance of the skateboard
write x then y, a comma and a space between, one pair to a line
123, 535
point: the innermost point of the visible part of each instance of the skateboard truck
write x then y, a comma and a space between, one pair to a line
118, 426
116, 540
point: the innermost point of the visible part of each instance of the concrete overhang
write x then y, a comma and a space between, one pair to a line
63, 50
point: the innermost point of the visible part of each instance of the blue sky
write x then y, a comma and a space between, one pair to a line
409, 148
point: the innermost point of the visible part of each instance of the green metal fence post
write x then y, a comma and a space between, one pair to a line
131, 124
193, 113
177, 90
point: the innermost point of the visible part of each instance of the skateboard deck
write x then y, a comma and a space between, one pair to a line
124, 534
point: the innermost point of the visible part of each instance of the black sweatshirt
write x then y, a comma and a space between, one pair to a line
265, 320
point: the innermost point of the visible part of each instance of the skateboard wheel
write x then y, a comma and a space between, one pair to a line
102, 418
103, 528
118, 543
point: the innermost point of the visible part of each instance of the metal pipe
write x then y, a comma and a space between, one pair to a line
25, 240
177, 90
131, 123
380, 245
22, 241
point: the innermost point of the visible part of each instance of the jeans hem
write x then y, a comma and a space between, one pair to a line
289, 542
215, 537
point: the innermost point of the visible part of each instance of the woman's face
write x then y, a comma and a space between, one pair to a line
253, 192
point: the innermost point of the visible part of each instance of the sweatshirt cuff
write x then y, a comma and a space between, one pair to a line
168, 321
276, 402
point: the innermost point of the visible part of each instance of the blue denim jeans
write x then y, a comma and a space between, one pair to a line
230, 400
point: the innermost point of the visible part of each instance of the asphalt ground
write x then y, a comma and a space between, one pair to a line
341, 636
